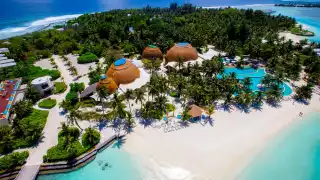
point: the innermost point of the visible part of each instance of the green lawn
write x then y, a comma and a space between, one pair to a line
48, 103
60, 87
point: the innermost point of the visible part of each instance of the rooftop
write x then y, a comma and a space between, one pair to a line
120, 62
183, 44
3, 50
41, 80
8, 91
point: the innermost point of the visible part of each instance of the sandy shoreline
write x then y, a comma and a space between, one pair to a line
220, 151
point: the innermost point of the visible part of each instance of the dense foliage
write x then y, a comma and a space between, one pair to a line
68, 146
47, 103
25, 130
13, 160
60, 87
87, 58
90, 138
27, 71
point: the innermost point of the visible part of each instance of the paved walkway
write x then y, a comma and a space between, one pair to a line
28, 173
54, 120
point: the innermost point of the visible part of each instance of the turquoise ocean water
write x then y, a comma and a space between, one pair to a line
306, 16
293, 155
122, 167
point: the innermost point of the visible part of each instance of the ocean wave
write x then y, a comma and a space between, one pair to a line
35, 25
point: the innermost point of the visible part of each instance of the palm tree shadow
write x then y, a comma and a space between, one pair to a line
184, 124
116, 124
243, 108
301, 101
128, 128
146, 122
102, 124
274, 104
119, 142
257, 106
210, 121
226, 107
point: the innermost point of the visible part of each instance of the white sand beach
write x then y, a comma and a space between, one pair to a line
293, 37
220, 151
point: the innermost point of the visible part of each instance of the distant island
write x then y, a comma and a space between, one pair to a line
298, 30
300, 4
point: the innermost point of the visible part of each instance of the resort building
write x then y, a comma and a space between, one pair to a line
107, 82
152, 52
181, 50
43, 85
8, 91
4, 61
123, 71
195, 111
317, 51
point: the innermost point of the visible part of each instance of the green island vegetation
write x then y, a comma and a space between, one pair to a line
87, 58
236, 32
25, 129
301, 32
60, 87
69, 146
300, 4
13, 160
47, 103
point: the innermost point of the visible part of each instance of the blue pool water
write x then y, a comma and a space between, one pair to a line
293, 155
122, 168
256, 77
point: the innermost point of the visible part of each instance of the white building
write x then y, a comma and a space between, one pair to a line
43, 85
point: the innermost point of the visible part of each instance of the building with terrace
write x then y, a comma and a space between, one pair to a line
43, 85
8, 91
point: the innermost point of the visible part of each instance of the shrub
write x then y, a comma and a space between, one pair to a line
68, 146
87, 58
90, 138
48, 103
77, 87
60, 87
173, 94
13, 160
72, 97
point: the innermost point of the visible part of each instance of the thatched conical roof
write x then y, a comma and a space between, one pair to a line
195, 111
152, 52
183, 50
109, 83
123, 71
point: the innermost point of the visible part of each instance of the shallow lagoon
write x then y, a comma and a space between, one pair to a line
120, 166
293, 155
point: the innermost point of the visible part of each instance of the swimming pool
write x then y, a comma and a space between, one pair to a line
256, 76
111, 163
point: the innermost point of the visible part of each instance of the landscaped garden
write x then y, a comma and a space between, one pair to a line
69, 146
47, 103
60, 87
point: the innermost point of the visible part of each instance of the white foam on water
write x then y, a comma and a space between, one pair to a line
56, 19
35, 25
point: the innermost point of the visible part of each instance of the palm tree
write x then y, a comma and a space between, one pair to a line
161, 102
128, 95
139, 96
129, 122
65, 105
73, 117
210, 110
